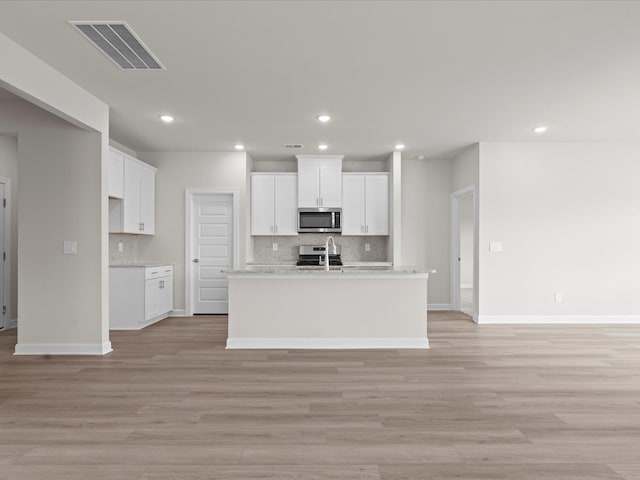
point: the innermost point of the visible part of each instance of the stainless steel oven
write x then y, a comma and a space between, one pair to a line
319, 220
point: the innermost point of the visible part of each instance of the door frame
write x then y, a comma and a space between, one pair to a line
190, 195
456, 197
7, 321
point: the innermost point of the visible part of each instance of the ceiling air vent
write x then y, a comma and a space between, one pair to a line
293, 145
120, 43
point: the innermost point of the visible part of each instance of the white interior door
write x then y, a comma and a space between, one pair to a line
4, 320
464, 250
465, 256
212, 249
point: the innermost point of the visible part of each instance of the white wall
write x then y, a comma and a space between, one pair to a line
60, 297
394, 167
9, 169
25, 75
466, 168
63, 302
178, 171
426, 222
569, 218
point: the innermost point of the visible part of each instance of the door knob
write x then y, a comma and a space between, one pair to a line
196, 260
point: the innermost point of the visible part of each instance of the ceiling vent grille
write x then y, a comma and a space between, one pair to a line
120, 43
293, 145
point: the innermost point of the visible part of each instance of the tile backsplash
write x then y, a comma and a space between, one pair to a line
129, 252
353, 248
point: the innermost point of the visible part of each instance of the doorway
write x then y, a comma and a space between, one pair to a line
463, 252
211, 249
5, 257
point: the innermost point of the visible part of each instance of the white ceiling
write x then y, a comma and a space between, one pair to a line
436, 76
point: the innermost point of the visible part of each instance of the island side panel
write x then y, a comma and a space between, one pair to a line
317, 311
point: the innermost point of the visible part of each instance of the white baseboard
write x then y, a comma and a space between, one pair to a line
327, 343
558, 319
13, 323
63, 348
142, 325
177, 313
466, 285
439, 306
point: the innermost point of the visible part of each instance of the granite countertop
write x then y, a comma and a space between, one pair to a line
292, 263
139, 265
336, 270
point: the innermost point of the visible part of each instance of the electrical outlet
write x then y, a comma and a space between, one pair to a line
120, 247
558, 297
367, 247
495, 246
275, 247
70, 247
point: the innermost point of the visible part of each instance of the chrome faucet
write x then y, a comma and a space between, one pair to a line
326, 251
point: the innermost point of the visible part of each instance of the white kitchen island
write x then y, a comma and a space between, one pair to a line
273, 307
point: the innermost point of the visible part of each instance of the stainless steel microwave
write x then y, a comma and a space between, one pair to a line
319, 220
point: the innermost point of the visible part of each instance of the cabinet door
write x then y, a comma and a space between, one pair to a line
353, 211
131, 222
308, 184
152, 298
147, 200
377, 204
331, 184
116, 174
166, 294
262, 201
286, 204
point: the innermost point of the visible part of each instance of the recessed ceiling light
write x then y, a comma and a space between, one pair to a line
238, 146
166, 118
324, 118
540, 129
323, 146
399, 146
419, 157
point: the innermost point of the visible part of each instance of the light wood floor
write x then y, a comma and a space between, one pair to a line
489, 402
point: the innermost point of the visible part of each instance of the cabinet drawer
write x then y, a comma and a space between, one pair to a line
158, 272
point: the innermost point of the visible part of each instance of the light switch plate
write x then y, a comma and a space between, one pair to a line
367, 247
120, 247
70, 247
275, 247
495, 246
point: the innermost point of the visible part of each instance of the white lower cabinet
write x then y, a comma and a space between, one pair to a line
139, 295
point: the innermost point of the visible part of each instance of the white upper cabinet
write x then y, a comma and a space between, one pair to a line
286, 204
148, 199
262, 204
134, 211
274, 204
353, 218
365, 207
308, 185
377, 204
319, 180
131, 202
116, 174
